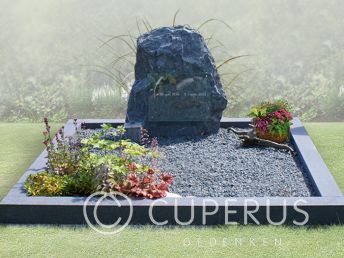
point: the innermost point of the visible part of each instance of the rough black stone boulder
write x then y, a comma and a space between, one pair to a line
177, 90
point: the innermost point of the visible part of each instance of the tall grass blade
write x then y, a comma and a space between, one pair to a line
145, 24
102, 72
214, 47
132, 39
236, 77
119, 58
214, 20
207, 40
138, 26
120, 37
103, 68
228, 60
148, 24
174, 17
106, 44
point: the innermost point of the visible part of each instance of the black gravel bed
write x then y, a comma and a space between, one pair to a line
217, 166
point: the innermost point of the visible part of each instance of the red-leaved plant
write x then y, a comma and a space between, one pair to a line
145, 185
272, 117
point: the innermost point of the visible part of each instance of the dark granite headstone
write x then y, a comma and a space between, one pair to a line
177, 90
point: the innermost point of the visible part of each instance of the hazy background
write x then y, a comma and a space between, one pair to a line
50, 52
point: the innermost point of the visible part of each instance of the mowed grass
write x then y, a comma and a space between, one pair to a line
329, 140
256, 241
21, 143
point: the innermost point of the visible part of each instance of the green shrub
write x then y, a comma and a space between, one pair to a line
45, 184
272, 117
76, 168
82, 182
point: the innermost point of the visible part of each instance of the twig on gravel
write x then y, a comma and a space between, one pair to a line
249, 139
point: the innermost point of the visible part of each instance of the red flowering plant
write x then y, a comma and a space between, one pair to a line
272, 120
66, 172
98, 162
149, 183
145, 185
127, 167
63, 153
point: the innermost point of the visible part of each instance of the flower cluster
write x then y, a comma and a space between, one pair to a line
145, 185
262, 124
280, 116
81, 166
272, 117
63, 154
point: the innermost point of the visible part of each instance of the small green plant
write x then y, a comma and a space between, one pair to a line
121, 169
45, 184
81, 183
116, 155
272, 117
64, 154
97, 163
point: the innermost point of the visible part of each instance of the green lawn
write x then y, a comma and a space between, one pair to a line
20, 144
329, 140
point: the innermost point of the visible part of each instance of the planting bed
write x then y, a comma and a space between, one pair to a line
217, 166
213, 166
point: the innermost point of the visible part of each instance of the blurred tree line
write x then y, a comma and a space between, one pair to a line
51, 62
